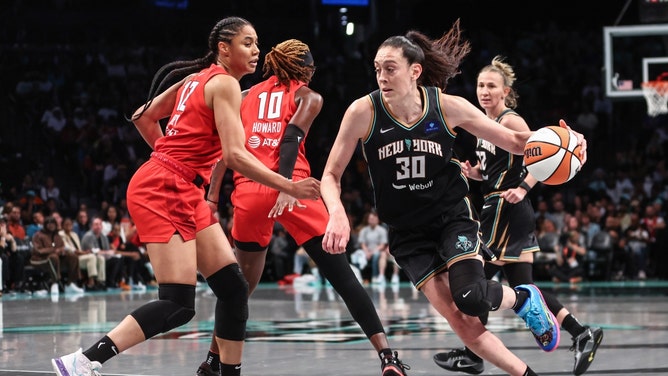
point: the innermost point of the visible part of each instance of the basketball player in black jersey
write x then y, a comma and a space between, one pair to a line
507, 218
407, 129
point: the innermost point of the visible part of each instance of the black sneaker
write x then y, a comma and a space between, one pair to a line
460, 360
585, 346
205, 370
392, 366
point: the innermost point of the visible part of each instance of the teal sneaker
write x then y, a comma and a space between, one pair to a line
539, 319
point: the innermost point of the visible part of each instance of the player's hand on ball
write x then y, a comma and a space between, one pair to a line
581, 141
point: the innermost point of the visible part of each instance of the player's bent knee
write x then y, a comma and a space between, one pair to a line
471, 299
231, 289
175, 307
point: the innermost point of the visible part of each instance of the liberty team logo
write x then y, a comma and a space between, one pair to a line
463, 243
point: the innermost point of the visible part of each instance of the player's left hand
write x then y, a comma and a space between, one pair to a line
283, 201
581, 141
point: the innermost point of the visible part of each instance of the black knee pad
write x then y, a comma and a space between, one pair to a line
231, 289
472, 293
175, 307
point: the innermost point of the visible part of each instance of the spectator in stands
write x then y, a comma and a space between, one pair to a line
50, 190
131, 260
637, 246
7, 248
81, 225
36, 225
655, 225
48, 254
15, 225
568, 267
111, 217
97, 243
93, 263
372, 239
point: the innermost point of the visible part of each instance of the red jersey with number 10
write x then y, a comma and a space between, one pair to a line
191, 136
265, 112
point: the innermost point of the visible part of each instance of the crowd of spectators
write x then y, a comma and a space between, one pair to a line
66, 142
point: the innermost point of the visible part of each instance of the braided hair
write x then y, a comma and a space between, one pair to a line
288, 61
223, 31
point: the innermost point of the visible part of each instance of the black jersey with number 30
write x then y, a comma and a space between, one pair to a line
414, 174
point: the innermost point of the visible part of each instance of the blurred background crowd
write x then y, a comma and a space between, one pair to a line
74, 70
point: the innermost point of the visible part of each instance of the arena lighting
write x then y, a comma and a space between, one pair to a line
350, 28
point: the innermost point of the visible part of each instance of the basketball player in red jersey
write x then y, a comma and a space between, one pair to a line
508, 221
277, 114
166, 199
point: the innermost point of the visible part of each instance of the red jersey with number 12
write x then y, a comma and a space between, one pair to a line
191, 136
265, 112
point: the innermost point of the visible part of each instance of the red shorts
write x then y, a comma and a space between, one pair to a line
162, 203
252, 202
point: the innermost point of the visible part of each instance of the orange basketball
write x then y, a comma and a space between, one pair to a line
552, 155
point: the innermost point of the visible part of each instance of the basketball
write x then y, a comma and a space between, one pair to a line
552, 155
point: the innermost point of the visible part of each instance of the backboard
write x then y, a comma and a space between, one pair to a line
632, 55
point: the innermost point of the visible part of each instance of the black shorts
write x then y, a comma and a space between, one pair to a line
429, 248
508, 229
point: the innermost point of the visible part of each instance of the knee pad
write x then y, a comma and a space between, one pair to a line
175, 307
472, 293
231, 289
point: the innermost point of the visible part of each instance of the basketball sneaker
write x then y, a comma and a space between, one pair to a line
392, 366
585, 346
460, 360
539, 319
205, 370
75, 364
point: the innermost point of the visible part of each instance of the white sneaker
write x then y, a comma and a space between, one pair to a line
72, 288
54, 289
75, 364
379, 280
139, 287
40, 293
395, 279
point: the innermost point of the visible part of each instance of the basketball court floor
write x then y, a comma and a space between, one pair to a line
306, 330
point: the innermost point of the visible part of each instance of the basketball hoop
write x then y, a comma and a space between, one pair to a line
656, 95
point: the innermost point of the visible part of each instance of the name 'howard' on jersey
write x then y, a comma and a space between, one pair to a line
412, 169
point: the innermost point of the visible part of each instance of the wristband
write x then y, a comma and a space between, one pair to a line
211, 201
524, 185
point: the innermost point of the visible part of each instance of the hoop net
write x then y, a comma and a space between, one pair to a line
656, 95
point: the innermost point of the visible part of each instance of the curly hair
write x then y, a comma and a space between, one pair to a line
286, 62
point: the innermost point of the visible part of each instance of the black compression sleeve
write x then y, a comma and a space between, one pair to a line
289, 149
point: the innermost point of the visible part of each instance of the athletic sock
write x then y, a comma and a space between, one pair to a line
102, 350
572, 325
385, 353
213, 360
472, 355
529, 372
230, 369
521, 296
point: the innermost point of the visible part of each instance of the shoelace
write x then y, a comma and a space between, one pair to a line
586, 335
395, 360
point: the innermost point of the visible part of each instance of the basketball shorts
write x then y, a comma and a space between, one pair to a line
425, 250
162, 203
508, 229
252, 202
